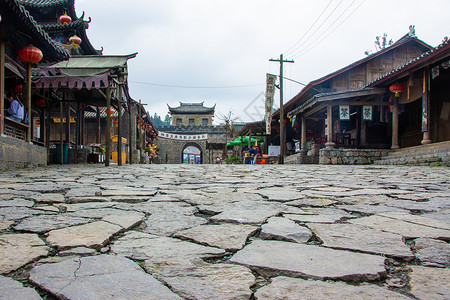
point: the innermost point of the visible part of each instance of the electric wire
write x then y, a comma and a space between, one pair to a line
318, 28
309, 29
197, 87
306, 50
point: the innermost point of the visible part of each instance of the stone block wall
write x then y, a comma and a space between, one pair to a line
16, 154
170, 151
350, 156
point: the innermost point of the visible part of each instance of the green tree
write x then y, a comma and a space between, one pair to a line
168, 120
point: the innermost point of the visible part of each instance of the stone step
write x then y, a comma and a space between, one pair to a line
419, 155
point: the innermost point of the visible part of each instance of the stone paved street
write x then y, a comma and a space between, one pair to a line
225, 232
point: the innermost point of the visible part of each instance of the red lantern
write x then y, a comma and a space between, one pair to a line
37, 123
30, 54
284, 121
396, 88
18, 89
116, 122
64, 19
111, 111
75, 40
41, 102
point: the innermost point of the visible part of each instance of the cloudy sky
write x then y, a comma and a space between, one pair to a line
218, 51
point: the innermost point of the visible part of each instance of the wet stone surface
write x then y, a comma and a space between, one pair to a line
225, 232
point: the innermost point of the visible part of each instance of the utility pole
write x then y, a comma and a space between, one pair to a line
282, 132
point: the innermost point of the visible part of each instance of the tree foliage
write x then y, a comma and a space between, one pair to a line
158, 122
381, 42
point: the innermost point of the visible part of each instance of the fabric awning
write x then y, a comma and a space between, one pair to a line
81, 71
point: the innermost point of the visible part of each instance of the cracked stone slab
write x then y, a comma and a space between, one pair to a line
4, 225
92, 235
99, 277
16, 203
224, 236
199, 280
281, 195
433, 253
49, 198
250, 213
429, 283
314, 202
366, 209
12, 289
125, 221
41, 224
294, 260
408, 226
278, 228
361, 238
166, 224
17, 250
144, 246
296, 288
128, 192
18, 213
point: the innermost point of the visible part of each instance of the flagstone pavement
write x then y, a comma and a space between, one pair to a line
225, 232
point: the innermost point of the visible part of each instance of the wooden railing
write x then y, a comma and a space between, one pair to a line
15, 129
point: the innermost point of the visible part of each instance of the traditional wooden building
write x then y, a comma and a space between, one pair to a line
192, 114
345, 109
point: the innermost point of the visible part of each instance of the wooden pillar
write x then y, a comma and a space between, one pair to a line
42, 126
68, 131
330, 144
119, 125
130, 134
98, 127
2, 86
47, 120
108, 126
426, 108
303, 146
141, 154
27, 99
61, 138
395, 125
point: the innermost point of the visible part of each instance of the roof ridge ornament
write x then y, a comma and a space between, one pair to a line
412, 31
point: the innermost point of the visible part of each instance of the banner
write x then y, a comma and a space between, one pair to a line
344, 112
367, 113
270, 93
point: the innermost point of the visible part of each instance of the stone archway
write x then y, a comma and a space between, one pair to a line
192, 154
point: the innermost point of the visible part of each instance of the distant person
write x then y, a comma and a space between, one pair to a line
16, 109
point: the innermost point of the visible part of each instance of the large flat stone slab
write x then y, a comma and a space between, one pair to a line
17, 250
41, 224
92, 235
363, 239
142, 246
431, 252
408, 226
12, 290
250, 213
278, 228
292, 259
224, 236
166, 224
430, 283
199, 280
296, 288
99, 277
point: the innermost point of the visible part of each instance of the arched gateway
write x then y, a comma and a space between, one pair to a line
192, 154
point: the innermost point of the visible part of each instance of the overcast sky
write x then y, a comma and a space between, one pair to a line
218, 51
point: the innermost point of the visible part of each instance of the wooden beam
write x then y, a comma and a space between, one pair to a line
27, 99
108, 126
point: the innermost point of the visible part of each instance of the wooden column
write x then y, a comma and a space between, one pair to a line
139, 126
130, 134
108, 125
27, 99
395, 125
426, 108
98, 128
303, 146
2, 86
48, 120
330, 144
119, 125
61, 137
68, 131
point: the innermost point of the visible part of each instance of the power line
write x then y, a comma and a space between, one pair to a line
306, 50
298, 41
324, 31
317, 29
198, 87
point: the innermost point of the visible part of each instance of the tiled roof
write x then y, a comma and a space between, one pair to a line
77, 24
444, 46
45, 3
192, 108
19, 18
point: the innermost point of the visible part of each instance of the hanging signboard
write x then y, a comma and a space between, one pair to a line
367, 113
270, 93
344, 112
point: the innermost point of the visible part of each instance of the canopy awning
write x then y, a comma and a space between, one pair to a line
237, 142
81, 72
